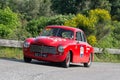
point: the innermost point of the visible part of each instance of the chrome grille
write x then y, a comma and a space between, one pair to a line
43, 49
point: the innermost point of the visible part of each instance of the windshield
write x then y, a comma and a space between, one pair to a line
58, 32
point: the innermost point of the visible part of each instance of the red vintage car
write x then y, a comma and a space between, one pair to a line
60, 44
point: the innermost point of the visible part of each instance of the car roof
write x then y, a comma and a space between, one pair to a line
64, 27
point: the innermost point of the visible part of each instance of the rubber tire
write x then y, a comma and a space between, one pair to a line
66, 62
89, 62
26, 59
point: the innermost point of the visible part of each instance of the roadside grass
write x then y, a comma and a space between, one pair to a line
12, 53
106, 57
16, 53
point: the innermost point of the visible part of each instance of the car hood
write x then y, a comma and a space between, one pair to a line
51, 41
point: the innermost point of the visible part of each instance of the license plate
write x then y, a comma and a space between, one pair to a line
38, 54
41, 54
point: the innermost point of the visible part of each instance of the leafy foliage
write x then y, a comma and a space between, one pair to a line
83, 22
35, 26
88, 23
96, 23
59, 19
64, 6
116, 32
101, 4
101, 15
115, 9
29, 8
92, 40
104, 42
79, 6
101, 19
35, 8
8, 22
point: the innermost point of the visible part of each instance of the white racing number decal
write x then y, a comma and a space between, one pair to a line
81, 51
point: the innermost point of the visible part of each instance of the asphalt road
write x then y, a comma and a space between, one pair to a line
11, 69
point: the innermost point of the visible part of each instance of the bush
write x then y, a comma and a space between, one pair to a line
82, 22
105, 42
97, 22
100, 15
92, 40
4, 31
59, 19
116, 31
9, 21
35, 26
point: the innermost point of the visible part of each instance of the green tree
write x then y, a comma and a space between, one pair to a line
45, 8
36, 25
3, 3
116, 32
31, 9
63, 6
95, 23
115, 9
101, 4
79, 6
9, 21
70, 6
16, 5
83, 22
103, 19
59, 19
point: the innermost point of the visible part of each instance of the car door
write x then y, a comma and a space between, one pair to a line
81, 46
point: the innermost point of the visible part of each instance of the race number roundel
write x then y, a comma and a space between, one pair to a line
81, 51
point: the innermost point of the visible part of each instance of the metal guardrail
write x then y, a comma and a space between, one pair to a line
109, 50
11, 43
19, 44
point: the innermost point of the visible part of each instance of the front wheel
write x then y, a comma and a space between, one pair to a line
88, 64
66, 62
26, 59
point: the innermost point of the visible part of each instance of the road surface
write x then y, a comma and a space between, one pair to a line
11, 69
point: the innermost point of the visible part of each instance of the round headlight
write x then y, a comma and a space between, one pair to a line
61, 49
26, 44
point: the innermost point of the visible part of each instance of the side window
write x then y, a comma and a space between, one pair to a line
78, 36
83, 37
